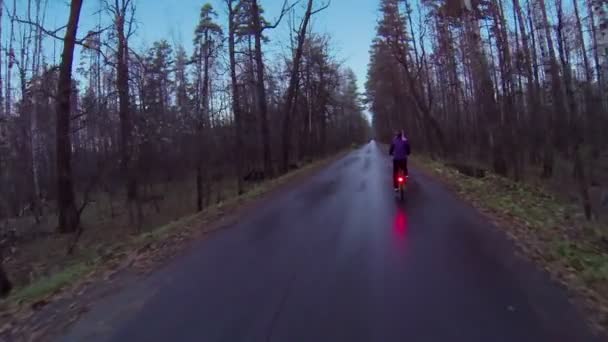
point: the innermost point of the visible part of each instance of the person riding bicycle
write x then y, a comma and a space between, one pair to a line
400, 150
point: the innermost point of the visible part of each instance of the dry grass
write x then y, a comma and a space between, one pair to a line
40, 254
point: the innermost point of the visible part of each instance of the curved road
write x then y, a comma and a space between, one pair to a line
337, 258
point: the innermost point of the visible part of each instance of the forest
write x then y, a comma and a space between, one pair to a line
102, 140
507, 101
518, 87
99, 140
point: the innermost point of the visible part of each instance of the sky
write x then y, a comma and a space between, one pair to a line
350, 23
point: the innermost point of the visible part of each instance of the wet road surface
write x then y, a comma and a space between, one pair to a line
339, 258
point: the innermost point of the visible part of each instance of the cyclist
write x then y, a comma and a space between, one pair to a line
400, 150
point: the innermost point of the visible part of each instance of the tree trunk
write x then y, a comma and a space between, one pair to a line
581, 178
1, 49
292, 88
66, 206
236, 105
593, 114
596, 52
484, 90
5, 284
9, 61
124, 112
600, 94
34, 133
556, 97
564, 124
199, 186
531, 91
261, 90
540, 111
502, 132
203, 124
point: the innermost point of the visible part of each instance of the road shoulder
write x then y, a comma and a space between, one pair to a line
545, 231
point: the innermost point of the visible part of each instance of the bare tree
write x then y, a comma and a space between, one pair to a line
294, 79
68, 219
261, 88
236, 104
207, 40
122, 11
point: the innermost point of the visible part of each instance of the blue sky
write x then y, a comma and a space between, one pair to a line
350, 23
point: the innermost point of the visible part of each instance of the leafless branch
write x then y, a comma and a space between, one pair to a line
324, 7
284, 9
79, 115
54, 33
78, 129
82, 42
131, 27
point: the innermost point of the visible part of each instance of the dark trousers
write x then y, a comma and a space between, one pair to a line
400, 164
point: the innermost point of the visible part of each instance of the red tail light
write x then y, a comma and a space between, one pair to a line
400, 179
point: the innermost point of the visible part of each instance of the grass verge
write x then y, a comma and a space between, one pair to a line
44, 286
549, 231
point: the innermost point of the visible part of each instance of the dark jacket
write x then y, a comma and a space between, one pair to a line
400, 148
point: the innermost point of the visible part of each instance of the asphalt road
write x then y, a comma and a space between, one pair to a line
339, 258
